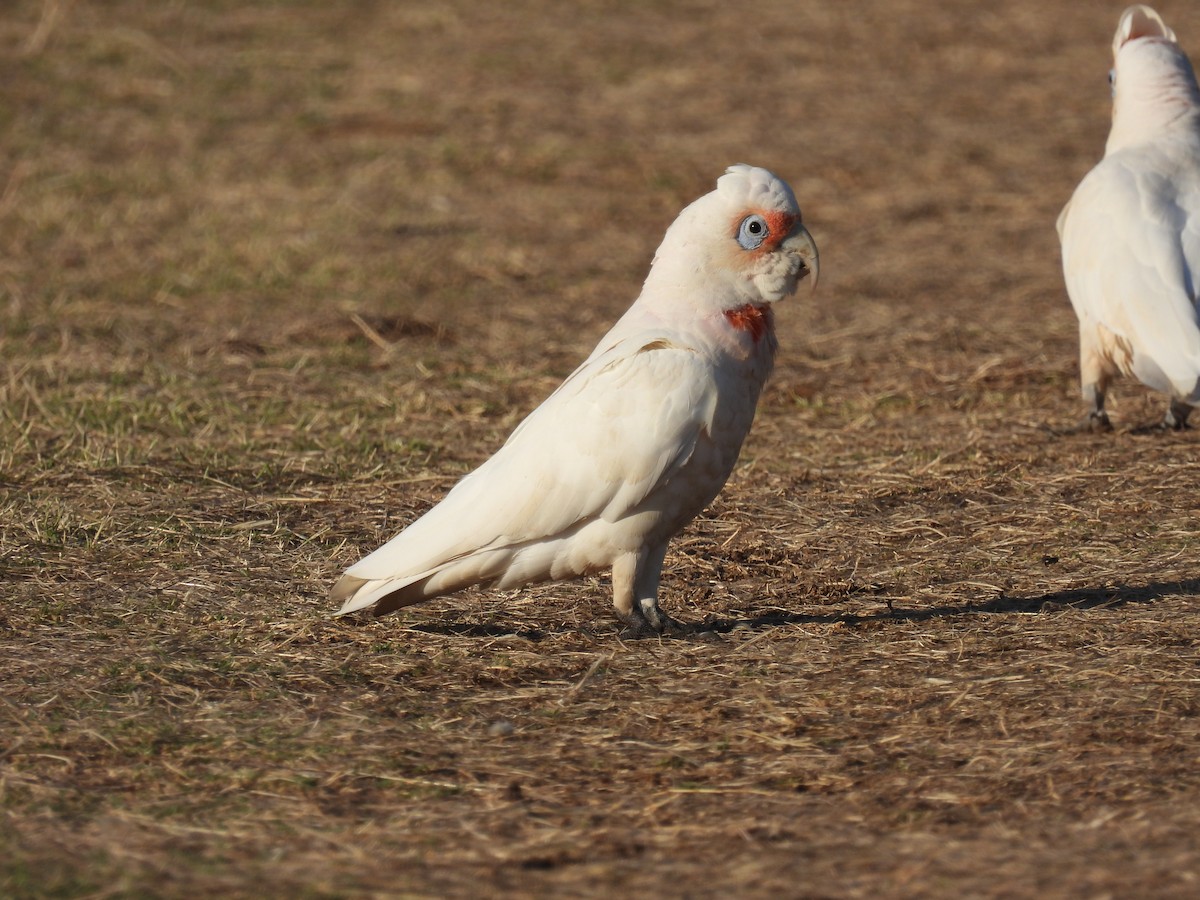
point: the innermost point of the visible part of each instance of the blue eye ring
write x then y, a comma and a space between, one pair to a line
752, 231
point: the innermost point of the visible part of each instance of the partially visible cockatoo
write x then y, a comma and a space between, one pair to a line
637, 441
1131, 232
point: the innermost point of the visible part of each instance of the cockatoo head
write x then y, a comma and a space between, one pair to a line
1153, 82
741, 244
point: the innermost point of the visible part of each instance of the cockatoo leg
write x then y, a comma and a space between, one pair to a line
646, 591
623, 573
1096, 418
1177, 415
1094, 376
635, 592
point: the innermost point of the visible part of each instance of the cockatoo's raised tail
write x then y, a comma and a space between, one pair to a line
637, 441
1131, 233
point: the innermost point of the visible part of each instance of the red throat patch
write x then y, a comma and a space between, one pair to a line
754, 319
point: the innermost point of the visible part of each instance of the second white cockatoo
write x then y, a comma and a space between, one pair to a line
637, 441
1131, 232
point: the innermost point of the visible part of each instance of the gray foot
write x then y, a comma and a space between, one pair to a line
1096, 421
639, 624
1177, 416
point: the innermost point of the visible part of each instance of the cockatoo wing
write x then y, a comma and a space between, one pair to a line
1131, 252
620, 426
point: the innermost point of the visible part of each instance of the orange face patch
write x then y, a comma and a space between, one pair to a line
779, 224
757, 320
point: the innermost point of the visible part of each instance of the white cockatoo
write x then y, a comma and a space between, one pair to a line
1131, 232
637, 441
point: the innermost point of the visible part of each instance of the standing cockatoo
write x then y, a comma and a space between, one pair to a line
1131, 232
637, 441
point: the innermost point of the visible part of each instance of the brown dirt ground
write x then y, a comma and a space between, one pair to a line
274, 275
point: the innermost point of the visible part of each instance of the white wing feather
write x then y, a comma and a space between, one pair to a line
620, 426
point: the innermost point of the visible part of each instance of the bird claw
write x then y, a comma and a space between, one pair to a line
1176, 418
638, 626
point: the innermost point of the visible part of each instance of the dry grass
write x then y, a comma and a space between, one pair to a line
273, 276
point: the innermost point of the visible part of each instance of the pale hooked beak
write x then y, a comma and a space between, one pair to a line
802, 244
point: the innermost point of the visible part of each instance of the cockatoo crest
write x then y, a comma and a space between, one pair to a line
1138, 22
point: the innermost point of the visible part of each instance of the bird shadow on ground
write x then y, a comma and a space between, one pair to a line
488, 630
1102, 597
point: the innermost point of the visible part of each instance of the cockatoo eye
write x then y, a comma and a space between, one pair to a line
752, 232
